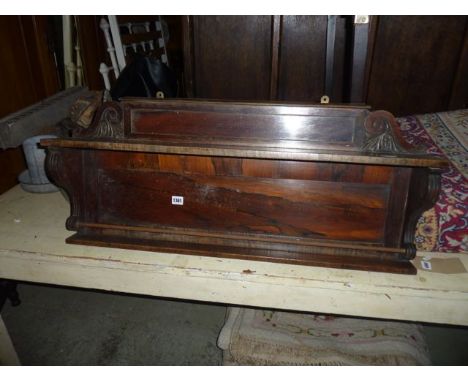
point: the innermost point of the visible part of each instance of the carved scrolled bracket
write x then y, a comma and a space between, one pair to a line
424, 194
52, 164
383, 135
107, 123
60, 175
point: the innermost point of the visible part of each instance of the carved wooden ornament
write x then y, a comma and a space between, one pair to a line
383, 135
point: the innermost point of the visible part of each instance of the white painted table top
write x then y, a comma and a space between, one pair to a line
33, 248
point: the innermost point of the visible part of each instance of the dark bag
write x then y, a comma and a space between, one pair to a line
144, 77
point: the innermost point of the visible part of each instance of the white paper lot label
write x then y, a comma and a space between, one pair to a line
426, 265
178, 200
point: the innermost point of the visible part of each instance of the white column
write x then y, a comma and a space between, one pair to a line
104, 25
104, 70
114, 28
79, 66
71, 74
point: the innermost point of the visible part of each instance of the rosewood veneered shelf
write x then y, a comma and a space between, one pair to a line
332, 186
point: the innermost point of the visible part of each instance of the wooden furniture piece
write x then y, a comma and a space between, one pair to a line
316, 185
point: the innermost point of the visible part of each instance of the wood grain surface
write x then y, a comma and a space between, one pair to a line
244, 180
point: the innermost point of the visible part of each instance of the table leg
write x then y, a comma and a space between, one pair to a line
8, 356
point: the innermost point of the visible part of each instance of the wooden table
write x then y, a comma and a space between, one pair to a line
32, 248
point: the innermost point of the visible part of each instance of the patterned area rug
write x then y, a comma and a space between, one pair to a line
443, 228
265, 337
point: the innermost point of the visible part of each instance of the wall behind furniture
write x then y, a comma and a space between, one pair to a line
419, 64
255, 57
416, 64
28, 74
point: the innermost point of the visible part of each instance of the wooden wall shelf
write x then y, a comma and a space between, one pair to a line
331, 186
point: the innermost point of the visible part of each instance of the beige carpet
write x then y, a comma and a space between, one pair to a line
265, 337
